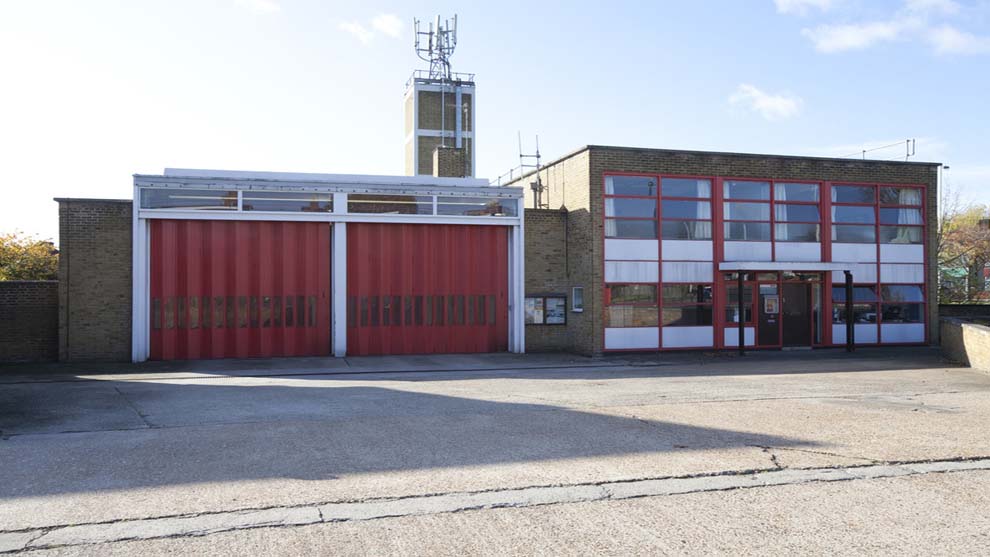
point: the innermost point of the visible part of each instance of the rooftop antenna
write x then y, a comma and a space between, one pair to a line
537, 186
440, 42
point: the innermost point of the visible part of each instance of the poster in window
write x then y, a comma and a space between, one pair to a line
556, 309
534, 311
771, 304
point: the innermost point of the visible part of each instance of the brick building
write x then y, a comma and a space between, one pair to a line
643, 249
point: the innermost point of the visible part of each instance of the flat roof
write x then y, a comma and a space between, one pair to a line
375, 179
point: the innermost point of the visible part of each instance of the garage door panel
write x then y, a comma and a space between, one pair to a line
239, 289
416, 289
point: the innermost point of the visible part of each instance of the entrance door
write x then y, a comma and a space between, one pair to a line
797, 314
768, 329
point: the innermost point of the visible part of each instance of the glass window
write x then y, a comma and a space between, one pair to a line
766, 276
686, 230
853, 215
754, 231
686, 209
685, 187
901, 293
747, 211
189, 199
633, 294
797, 213
287, 201
627, 207
393, 204
860, 294
900, 216
631, 316
862, 313
732, 313
900, 196
796, 232
854, 234
622, 228
795, 192
902, 313
732, 292
631, 185
476, 206
900, 234
577, 299
687, 316
735, 189
686, 293
853, 194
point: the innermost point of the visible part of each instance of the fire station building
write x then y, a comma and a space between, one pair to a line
647, 249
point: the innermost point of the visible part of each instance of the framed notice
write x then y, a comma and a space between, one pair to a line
546, 310
771, 304
555, 311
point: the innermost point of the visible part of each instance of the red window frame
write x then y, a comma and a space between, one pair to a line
656, 210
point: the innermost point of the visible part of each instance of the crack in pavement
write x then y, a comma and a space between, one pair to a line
144, 417
206, 523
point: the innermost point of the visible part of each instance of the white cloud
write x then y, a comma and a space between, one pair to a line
261, 6
360, 32
801, 7
772, 107
388, 24
947, 7
946, 39
857, 36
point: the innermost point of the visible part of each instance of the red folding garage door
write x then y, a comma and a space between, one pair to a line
239, 289
426, 288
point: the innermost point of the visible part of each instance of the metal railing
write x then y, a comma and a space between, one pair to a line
424, 76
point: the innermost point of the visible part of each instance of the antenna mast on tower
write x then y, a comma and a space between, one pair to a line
436, 45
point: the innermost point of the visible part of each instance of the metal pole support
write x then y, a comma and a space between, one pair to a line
742, 316
850, 326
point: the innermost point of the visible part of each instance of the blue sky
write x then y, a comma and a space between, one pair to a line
95, 91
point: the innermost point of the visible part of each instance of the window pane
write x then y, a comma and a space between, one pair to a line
686, 293
900, 196
900, 234
862, 313
685, 187
631, 316
394, 204
747, 190
476, 206
633, 294
854, 234
287, 201
637, 208
687, 316
631, 185
622, 228
797, 213
900, 216
732, 313
766, 276
855, 215
686, 230
747, 231
747, 211
853, 194
796, 233
188, 199
686, 209
902, 313
860, 294
901, 293
795, 192
733, 294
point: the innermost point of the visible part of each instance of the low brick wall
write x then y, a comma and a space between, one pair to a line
28, 320
965, 311
966, 343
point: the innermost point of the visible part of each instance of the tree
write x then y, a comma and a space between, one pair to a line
27, 258
963, 250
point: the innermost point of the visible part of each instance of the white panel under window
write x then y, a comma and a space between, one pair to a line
857, 253
864, 334
902, 253
895, 273
632, 337
748, 251
687, 271
862, 272
687, 250
632, 271
798, 251
632, 250
731, 336
902, 332
688, 337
